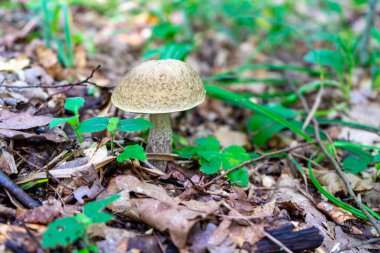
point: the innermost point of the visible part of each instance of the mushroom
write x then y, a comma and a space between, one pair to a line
159, 87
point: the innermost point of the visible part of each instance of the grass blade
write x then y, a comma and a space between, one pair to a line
236, 99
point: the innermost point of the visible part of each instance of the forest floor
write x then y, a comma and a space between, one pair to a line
296, 198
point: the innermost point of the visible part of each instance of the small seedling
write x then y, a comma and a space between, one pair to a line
65, 231
132, 152
73, 105
52, 32
212, 159
112, 125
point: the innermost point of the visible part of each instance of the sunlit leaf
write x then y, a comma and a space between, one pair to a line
132, 152
134, 125
93, 125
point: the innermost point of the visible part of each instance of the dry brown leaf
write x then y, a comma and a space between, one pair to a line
242, 234
19, 234
334, 184
22, 121
220, 234
7, 162
336, 213
44, 214
159, 210
19, 135
46, 57
228, 137
116, 240
266, 209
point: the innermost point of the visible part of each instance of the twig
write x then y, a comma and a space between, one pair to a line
16, 191
315, 107
7, 211
164, 157
285, 150
336, 165
79, 83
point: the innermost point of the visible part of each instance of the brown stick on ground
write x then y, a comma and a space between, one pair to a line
16, 191
79, 83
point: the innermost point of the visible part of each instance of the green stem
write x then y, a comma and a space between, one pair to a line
112, 141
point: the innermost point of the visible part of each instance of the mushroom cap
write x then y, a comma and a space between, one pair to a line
159, 86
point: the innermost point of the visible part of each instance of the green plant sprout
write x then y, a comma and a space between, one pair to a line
73, 105
66, 231
132, 152
112, 125
212, 159
51, 11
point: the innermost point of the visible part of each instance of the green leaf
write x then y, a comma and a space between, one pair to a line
231, 157
239, 176
57, 121
210, 167
63, 232
325, 57
237, 99
112, 125
208, 147
170, 51
263, 128
357, 160
188, 152
93, 125
93, 210
73, 104
134, 125
132, 152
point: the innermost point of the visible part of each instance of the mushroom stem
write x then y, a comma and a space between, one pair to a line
160, 137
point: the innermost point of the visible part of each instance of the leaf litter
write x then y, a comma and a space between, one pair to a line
157, 211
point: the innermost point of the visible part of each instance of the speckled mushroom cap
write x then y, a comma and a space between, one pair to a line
159, 86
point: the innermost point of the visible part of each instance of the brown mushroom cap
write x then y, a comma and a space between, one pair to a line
159, 86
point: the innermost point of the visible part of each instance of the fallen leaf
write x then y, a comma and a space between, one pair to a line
14, 65
242, 234
288, 196
334, 184
7, 162
46, 57
22, 121
229, 137
266, 209
336, 213
44, 214
199, 236
19, 135
159, 210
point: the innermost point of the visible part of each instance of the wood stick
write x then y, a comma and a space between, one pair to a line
16, 191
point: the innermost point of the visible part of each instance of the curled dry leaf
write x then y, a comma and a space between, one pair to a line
7, 162
19, 135
334, 184
44, 214
336, 213
157, 209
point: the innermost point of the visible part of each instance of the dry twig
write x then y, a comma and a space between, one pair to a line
79, 83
